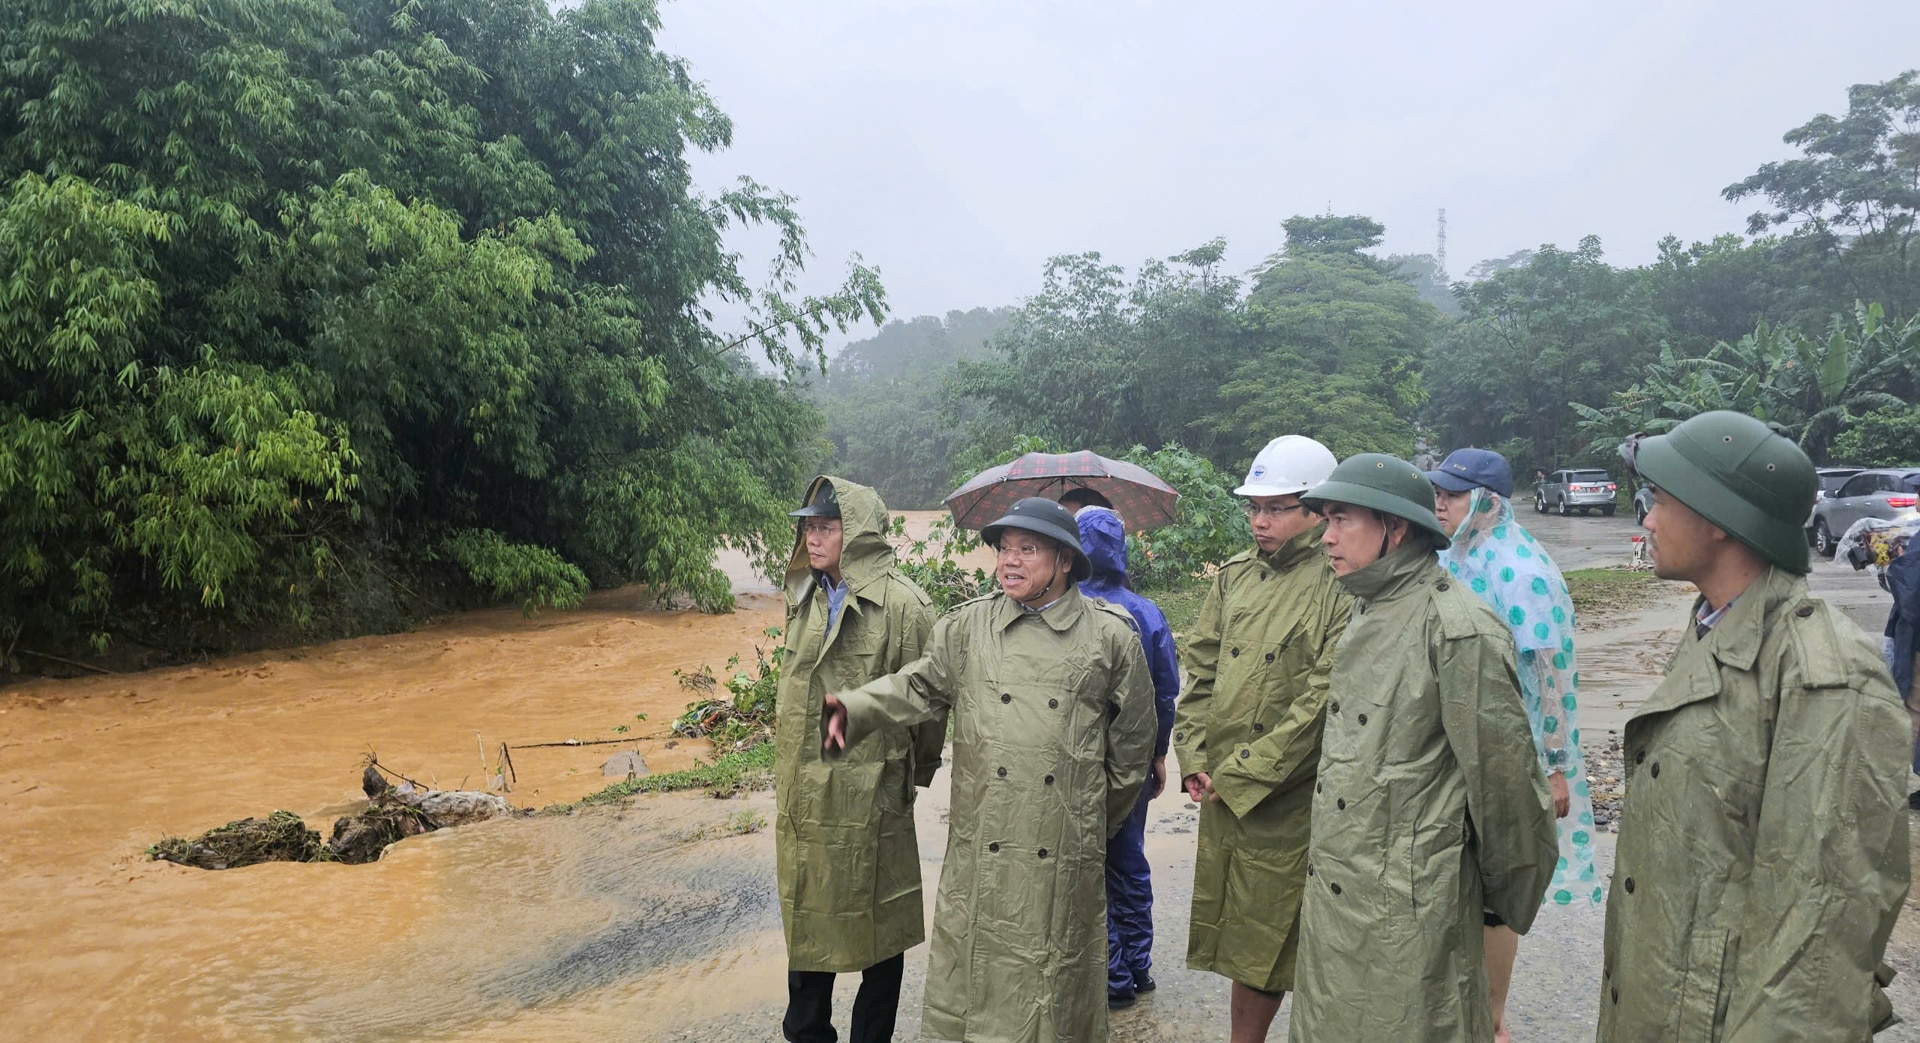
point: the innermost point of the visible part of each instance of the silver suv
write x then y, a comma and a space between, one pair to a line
1569, 491
1887, 493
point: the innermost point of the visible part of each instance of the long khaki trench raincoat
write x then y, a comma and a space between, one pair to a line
1763, 842
1430, 806
849, 864
1053, 733
1257, 667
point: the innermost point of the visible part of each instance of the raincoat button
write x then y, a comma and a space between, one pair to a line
1269, 657
1043, 852
1334, 706
1235, 653
1053, 704
1640, 758
1363, 718
1616, 995
1005, 697
1443, 585
1317, 788
1244, 754
1049, 780
1258, 727
1309, 868
1179, 736
1656, 769
1003, 772
1804, 611
1341, 803
1335, 888
994, 848
1629, 885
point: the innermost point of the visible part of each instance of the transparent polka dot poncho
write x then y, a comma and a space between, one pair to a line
1502, 562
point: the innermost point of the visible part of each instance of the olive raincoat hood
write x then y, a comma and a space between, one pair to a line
849, 863
1257, 667
1053, 732
1763, 840
1430, 806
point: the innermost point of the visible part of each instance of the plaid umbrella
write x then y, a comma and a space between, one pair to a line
1143, 501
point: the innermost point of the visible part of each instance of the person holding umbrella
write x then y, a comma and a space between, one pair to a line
1129, 878
1248, 733
1429, 807
1053, 734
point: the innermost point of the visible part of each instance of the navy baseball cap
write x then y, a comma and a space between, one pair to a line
1465, 469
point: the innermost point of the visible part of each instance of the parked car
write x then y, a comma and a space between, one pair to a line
1569, 491
1831, 479
1642, 501
1887, 493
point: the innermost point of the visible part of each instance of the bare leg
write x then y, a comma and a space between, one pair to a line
1251, 1014
1502, 946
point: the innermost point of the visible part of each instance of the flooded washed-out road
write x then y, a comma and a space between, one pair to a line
652, 921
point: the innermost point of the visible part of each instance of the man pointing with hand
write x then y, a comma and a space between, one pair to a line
1053, 732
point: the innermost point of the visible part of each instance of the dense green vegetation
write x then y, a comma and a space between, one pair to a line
1550, 355
318, 315
321, 313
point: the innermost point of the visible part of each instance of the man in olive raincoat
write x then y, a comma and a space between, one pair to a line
1430, 809
849, 864
1053, 731
1247, 733
1763, 840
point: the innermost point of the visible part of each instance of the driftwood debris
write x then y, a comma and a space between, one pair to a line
393, 813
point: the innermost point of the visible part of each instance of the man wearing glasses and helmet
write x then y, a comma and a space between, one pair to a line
1053, 730
1247, 733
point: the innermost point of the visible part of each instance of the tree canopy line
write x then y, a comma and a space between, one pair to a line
1811, 320
320, 315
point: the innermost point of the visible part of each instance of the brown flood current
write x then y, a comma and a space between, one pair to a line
449, 932
651, 921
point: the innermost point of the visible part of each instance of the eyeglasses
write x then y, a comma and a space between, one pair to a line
820, 528
1254, 510
1020, 552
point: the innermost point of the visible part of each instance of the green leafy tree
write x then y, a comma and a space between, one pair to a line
1562, 327
1854, 192
312, 304
1093, 361
1888, 437
889, 415
1335, 341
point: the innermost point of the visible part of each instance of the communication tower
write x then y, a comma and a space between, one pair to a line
1440, 250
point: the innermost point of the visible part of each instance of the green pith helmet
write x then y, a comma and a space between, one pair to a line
822, 501
1383, 483
1735, 472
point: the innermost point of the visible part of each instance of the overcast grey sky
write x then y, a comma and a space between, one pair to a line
957, 145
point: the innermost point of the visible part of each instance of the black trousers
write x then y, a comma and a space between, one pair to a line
810, 1004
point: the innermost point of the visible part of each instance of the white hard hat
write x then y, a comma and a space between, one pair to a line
1289, 465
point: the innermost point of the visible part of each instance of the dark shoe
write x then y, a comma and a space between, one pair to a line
1119, 1000
1142, 983
1913, 801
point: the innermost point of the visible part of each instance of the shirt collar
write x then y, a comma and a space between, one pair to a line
1058, 614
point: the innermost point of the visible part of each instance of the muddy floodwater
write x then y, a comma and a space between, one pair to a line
655, 920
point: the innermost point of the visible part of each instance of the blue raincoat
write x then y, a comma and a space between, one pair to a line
1129, 887
1903, 625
